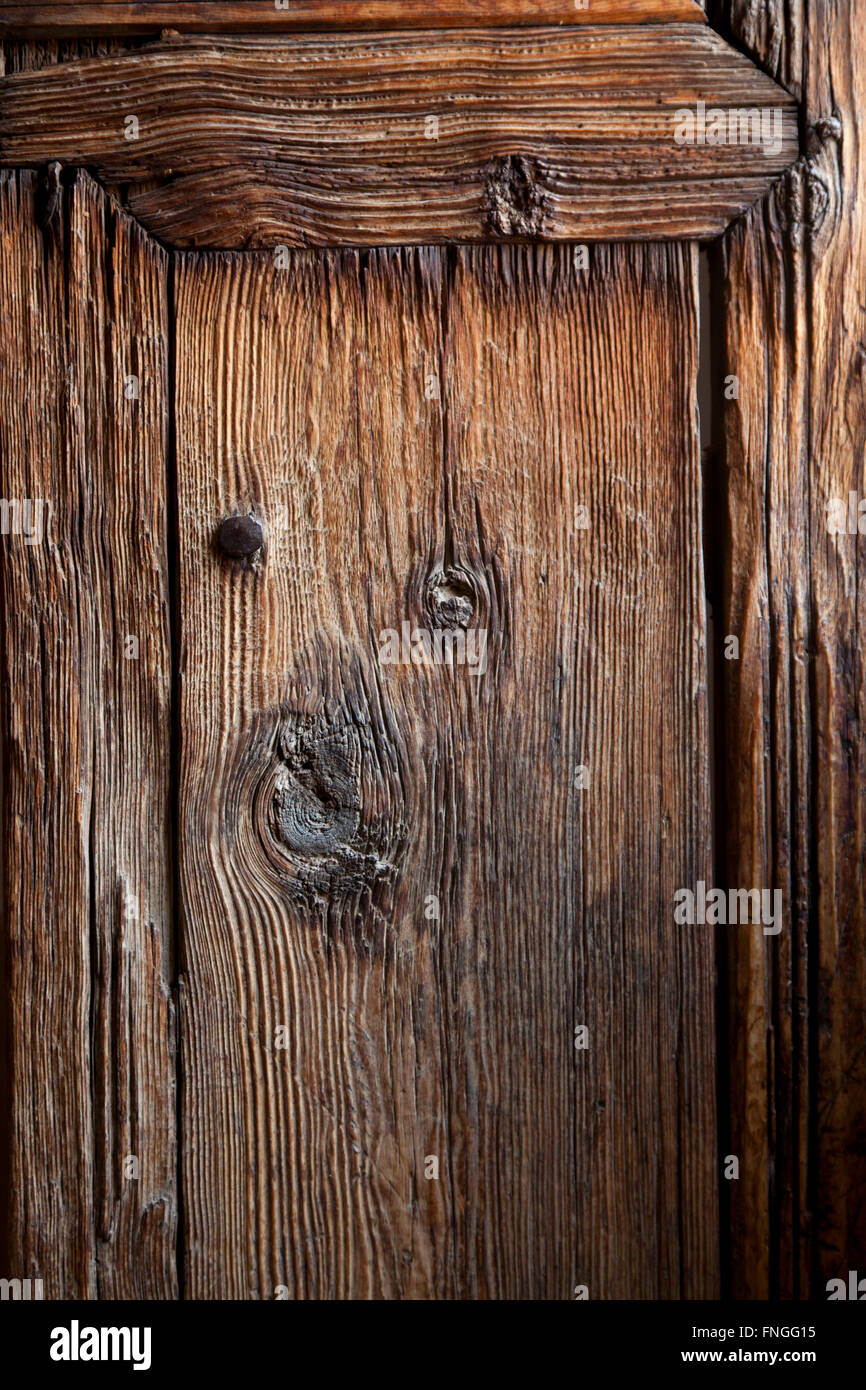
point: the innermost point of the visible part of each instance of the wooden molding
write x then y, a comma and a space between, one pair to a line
410, 138
116, 17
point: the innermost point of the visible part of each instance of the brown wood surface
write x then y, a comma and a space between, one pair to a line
72, 17
85, 742
794, 439
302, 394
325, 797
550, 133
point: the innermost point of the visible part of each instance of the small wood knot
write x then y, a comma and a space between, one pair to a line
516, 205
450, 599
240, 537
828, 128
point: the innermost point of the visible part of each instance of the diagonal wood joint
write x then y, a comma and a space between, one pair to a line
561, 134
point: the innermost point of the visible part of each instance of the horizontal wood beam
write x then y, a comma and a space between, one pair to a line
115, 17
412, 138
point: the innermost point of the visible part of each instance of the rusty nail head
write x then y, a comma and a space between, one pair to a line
239, 537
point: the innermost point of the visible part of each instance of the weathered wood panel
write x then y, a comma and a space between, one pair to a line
72, 17
555, 134
85, 731
28, 55
794, 440
399, 900
767, 753
835, 94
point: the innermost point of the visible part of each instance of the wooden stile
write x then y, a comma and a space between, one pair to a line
86, 746
793, 441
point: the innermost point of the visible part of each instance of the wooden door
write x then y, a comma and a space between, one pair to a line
357, 664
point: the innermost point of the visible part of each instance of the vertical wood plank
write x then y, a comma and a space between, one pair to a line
767, 751
835, 95
566, 389
86, 735
301, 395
398, 904
794, 441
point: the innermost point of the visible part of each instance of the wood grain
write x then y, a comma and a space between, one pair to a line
394, 864
767, 750
548, 134
835, 95
71, 17
795, 787
85, 735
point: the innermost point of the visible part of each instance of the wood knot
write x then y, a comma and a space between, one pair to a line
450, 600
459, 612
316, 795
516, 204
828, 128
327, 815
821, 192
316, 803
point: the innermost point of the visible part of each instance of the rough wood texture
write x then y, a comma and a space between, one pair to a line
795, 788
416, 432
29, 55
767, 750
549, 133
85, 735
117, 17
